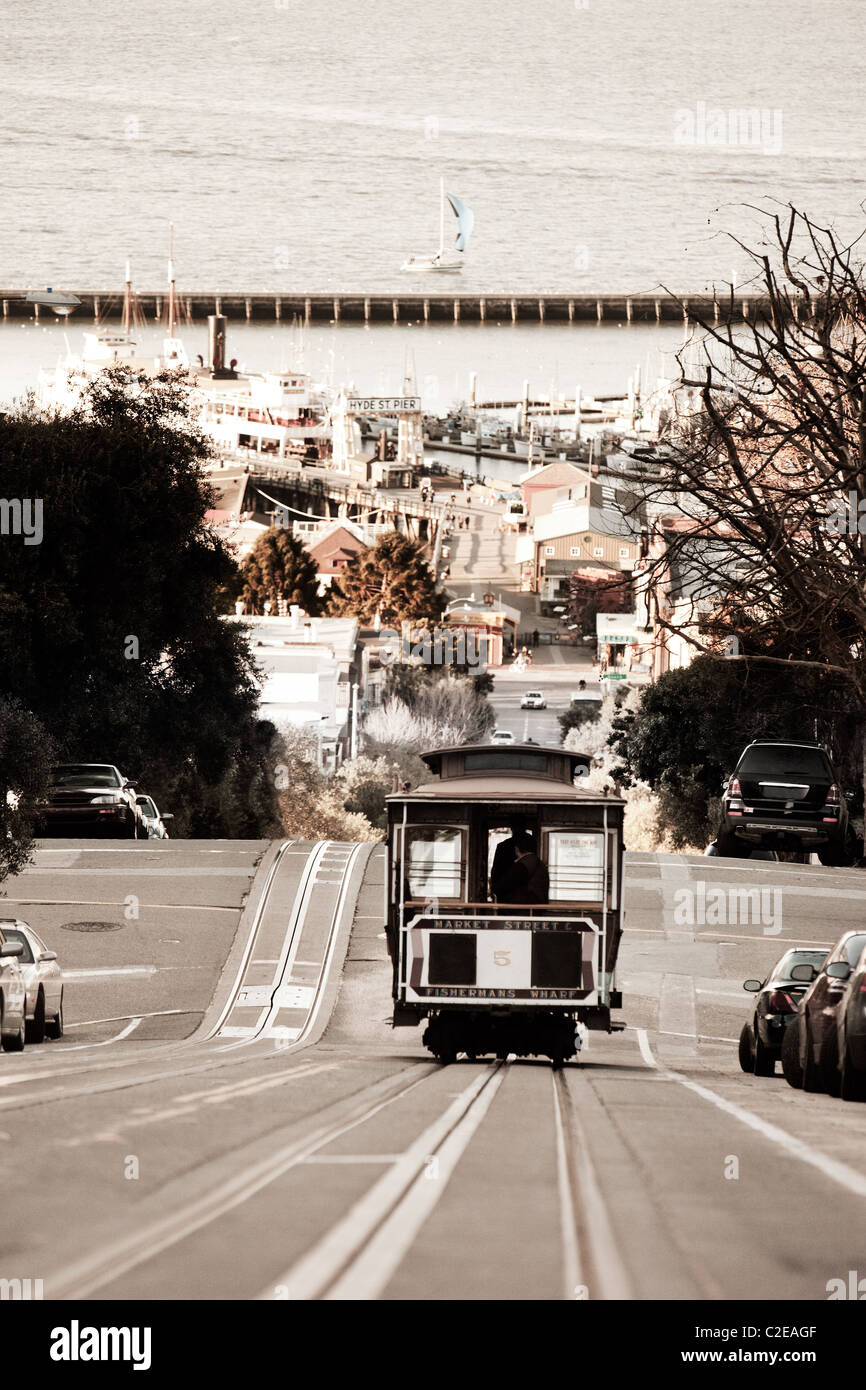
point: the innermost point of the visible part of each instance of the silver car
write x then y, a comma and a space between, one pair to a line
153, 818
43, 981
13, 995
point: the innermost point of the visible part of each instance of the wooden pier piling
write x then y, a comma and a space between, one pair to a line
426, 307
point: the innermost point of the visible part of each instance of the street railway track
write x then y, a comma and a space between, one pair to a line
197, 1054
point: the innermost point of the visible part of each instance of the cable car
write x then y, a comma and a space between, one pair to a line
504, 902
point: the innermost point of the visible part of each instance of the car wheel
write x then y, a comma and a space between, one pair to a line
36, 1028
828, 1061
812, 1078
833, 856
15, 1041
765, 1058
727, 846
746, 1054
791, 1069
851, 1081
54, 1026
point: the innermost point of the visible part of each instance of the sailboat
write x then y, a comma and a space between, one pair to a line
447, 261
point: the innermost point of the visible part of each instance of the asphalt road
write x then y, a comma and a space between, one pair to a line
556, 684
276, 1139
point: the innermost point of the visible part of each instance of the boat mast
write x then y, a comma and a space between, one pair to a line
441, 218
170, 280
127, 302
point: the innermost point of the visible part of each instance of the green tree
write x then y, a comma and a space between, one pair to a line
692, 724
110, 626
25, 764
279, 566
390, 579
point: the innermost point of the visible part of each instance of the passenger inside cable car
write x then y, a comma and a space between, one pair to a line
518, 874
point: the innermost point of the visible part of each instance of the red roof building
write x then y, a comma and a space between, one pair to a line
333, 551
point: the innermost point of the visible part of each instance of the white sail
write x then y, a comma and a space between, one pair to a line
465, 221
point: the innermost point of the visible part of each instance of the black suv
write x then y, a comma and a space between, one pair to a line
786, 796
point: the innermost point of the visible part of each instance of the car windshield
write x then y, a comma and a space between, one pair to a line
782, 969
853, 948
784, 760
86, 775
147, 806
15, 934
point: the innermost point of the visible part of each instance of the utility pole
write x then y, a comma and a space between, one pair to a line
353, 745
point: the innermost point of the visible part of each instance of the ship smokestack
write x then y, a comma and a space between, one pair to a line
216, 341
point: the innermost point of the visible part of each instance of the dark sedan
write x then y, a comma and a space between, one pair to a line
810, 1057
91, 799
775, 1008
850, 1031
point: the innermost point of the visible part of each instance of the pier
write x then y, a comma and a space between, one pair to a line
408, 308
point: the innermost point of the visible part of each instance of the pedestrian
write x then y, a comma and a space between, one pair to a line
535, 638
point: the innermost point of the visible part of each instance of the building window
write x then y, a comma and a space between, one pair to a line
549, 550
598, 551
623, 552
574, 552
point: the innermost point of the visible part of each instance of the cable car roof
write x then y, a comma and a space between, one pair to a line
504, 787
561, 763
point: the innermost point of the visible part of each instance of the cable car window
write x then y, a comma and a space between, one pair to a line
510, 762
435, 861
575, 863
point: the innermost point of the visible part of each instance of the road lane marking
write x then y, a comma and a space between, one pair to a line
112, 1261
568, 1224
96, 971
122, 1018
313, 1275
797, 890
262, 903
831, 1168
603, 1255
191, 1104
696, 935
124, 1033
94, 902
353, 1158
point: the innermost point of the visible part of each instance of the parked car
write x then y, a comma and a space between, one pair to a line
91, 798
502, 736
153, 819
810, 1058
786, 796
43, 981
775, 1009
13, 995
850, 1049
533, 699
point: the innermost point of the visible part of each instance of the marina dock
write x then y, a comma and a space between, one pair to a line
441, 307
